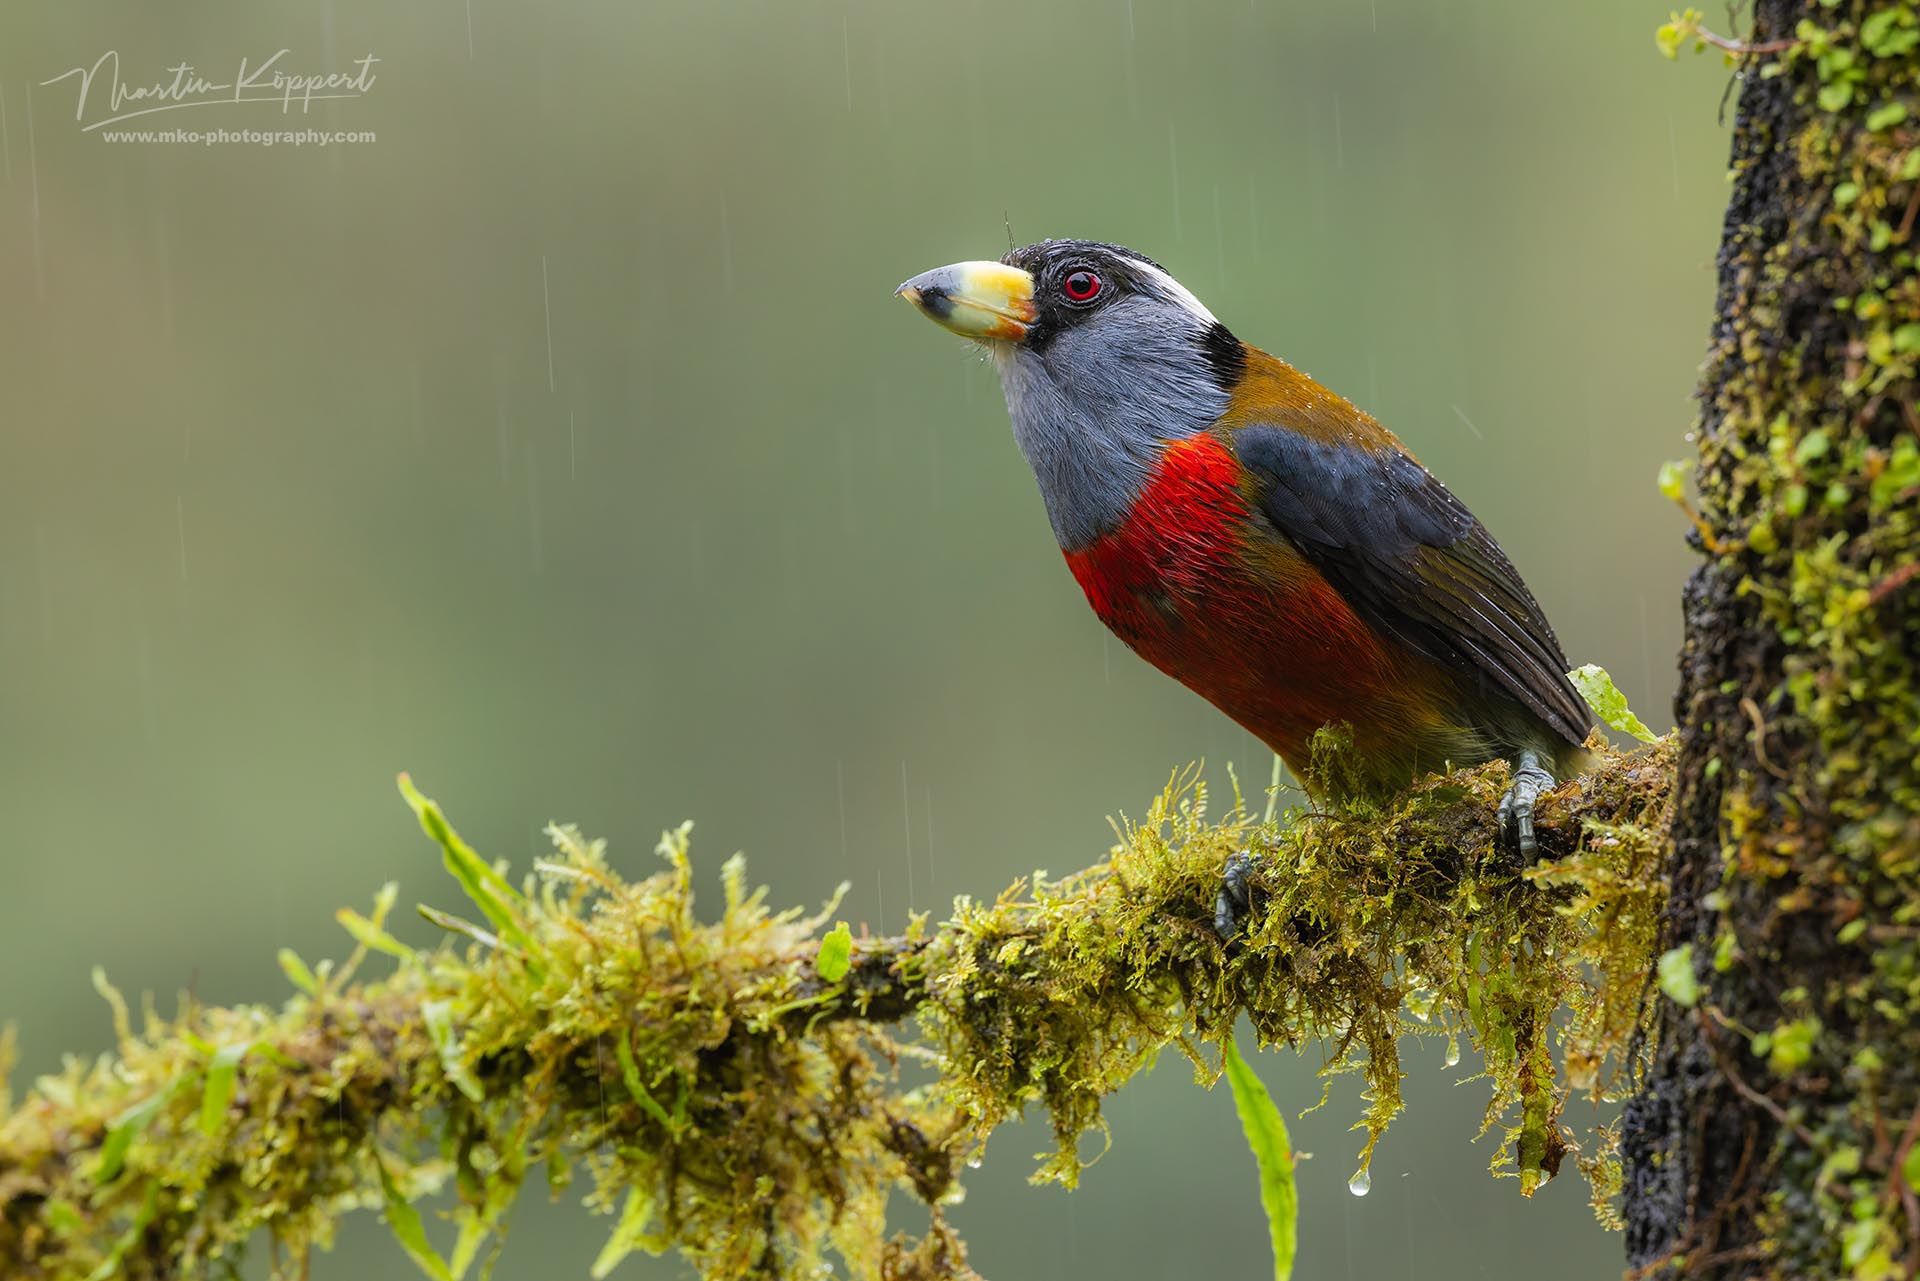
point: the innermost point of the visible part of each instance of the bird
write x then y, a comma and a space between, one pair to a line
1260, 538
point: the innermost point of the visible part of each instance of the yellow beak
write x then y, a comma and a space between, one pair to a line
989, 301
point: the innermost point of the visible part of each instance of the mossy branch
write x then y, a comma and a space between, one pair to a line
728, 1100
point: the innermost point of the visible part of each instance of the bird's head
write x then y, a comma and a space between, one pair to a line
1104, 358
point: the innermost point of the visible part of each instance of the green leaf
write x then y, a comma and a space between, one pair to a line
629, 1234
1536, 1122
438, 1016
835, 957
498, 901
297, 972
1677, 978
368, 934
1790, 1046
466, 1247
1910, 1168
1889, 32
1673, 479
1814, 445
630, 1073
1887, 116
1272, 1152
460, 925
408, 1230
125, 1128
222, 1072
63, 1216
1607, 702
478, 1222
149, 1208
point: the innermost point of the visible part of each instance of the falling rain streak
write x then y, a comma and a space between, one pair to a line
33, 173
535, 544
1219, 243
1461, 414
163, 267
546, 303
1253, 215
846, 55
906, 813
840, 792
1173, 167
45, 581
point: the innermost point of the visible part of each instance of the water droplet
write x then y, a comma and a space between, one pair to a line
1361, 1183
1453, 1052
974, 1163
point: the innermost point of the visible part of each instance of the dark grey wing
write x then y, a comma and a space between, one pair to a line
1414, 563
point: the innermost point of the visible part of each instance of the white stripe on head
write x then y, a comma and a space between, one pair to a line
1174, 289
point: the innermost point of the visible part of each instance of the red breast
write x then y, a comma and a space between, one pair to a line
1197, 584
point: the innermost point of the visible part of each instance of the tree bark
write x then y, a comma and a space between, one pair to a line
1769, 1135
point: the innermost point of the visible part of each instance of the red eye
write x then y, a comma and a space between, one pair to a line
1082, 286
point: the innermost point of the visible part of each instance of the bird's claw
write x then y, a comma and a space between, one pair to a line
1516, 808
1235, 899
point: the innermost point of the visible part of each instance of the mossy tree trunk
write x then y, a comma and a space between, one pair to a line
1775, 1132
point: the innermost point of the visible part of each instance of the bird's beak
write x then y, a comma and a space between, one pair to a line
986, 300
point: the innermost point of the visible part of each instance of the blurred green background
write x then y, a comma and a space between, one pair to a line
566, 447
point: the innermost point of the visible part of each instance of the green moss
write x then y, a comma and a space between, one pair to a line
728, 1096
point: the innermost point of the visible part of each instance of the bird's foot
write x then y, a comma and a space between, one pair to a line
1516, 807
1234, 902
